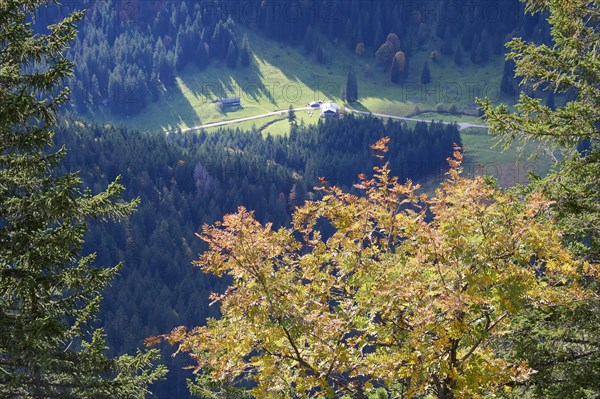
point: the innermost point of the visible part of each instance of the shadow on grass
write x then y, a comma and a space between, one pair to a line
174, 114
219, 81
357, 105
167, 114
277, 77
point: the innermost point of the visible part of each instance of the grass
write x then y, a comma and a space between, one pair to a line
428, 116
282, 75
273, 125
509, 167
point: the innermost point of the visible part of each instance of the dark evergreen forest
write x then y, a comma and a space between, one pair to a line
129, 51
187, 180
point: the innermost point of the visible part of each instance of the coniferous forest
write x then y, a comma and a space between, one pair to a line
306, 264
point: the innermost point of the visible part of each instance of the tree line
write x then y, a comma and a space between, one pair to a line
126, 59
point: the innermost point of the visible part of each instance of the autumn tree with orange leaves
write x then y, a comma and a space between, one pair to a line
410, 295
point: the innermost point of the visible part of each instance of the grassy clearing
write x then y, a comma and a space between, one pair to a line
248, 125
482, 157
282, 75
429, 116
509, 167
273, 125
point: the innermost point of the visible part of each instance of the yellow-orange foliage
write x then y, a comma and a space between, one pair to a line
360, 49
401, 59
409, 292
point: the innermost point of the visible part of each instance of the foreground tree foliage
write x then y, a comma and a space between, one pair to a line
564, 344
572, 65
186, 180
408, 294
49, 293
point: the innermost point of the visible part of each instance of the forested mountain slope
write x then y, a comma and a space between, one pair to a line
185, 181
129, 53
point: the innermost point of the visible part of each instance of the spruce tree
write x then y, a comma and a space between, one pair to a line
309, 40
245, 52
351, 87
379, 36
484, 52
448, 44
164, 64
395, 71
180, 56
232, 55
458, 56
202, 57
291, 114
506, 84
425, 74
350, 35
484, 46
49, 292
322, 55
475, 51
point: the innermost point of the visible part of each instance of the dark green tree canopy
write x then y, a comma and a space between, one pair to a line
425, 74
232, 55
351, 87
291, 114
245, 55
49, 293
564, 347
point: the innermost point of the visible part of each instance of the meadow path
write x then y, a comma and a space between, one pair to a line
461, 125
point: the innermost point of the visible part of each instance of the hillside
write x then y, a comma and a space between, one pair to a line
187, 180
161, 65
281, 75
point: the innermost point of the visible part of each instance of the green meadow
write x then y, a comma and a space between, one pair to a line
280, 76
511, 166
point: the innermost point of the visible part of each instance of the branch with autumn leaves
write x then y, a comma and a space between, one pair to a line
409, 294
